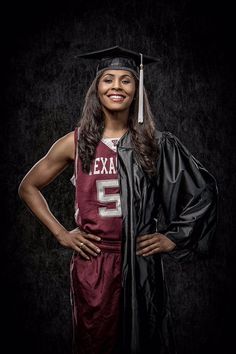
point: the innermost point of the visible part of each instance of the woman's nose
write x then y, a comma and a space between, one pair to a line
116, 84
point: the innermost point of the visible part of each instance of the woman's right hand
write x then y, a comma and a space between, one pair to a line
80, 241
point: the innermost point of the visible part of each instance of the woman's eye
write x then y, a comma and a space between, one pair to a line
109, 81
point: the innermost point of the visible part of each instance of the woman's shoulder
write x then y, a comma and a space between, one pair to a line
165, 136
64, 146
67, 139
168, 141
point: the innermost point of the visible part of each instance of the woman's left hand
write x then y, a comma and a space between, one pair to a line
153, 243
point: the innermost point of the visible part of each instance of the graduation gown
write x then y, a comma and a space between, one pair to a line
181, 202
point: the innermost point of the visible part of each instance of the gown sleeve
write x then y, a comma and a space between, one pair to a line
188, 197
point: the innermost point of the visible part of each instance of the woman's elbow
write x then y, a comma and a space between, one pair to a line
23, 189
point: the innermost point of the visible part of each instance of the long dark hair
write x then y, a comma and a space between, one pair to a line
91, 126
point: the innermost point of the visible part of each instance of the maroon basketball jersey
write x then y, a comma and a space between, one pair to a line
97, 198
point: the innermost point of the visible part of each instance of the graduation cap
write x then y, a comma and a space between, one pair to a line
118, 58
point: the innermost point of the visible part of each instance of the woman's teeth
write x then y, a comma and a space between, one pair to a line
116, 97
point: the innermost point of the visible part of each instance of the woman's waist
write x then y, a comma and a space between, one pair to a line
109, 245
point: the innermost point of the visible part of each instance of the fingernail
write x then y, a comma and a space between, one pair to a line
99, 238
98, 250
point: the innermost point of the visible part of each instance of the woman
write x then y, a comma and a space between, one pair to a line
139, 194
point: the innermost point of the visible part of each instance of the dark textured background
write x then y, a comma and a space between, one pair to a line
192, 94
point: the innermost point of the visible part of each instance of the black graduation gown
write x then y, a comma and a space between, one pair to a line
180, 203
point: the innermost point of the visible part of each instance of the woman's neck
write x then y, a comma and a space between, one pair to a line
115, 124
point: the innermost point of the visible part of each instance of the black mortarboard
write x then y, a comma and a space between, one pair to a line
117, 58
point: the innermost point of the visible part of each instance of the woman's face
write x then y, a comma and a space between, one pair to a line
116, 90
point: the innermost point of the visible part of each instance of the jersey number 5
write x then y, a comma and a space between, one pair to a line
108, 198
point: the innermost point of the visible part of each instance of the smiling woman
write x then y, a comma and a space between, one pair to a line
125, 173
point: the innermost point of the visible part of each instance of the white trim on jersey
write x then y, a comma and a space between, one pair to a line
111, 143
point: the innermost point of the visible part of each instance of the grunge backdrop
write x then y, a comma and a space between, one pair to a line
192, 95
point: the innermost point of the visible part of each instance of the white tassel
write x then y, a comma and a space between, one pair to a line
140, 103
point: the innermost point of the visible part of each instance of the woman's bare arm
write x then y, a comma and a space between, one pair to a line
41, 174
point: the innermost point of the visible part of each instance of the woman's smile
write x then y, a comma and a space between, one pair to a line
117, 98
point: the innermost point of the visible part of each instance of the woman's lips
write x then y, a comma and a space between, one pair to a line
117, 98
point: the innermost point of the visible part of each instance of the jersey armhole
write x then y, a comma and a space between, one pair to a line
74, 177
76, 135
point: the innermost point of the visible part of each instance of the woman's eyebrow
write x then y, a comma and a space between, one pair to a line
124, 75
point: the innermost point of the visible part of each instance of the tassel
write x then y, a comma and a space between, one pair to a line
140, 104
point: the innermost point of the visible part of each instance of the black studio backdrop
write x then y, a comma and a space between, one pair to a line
192, 94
